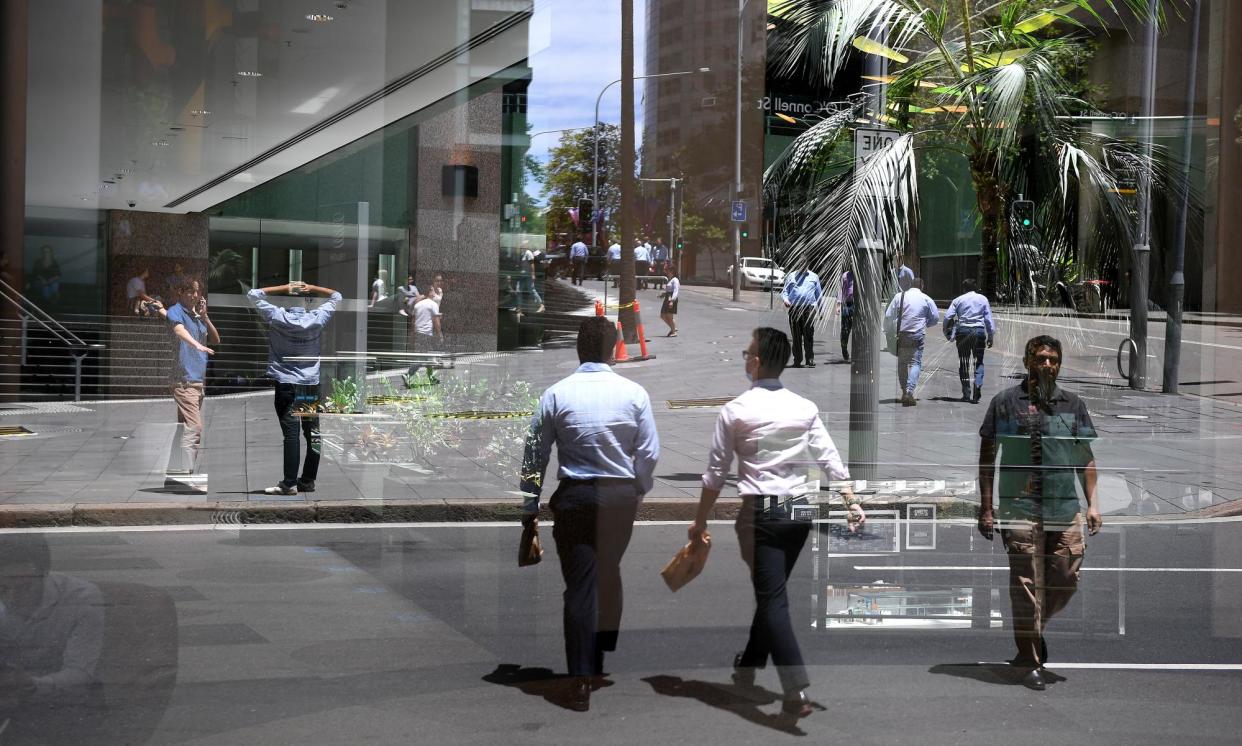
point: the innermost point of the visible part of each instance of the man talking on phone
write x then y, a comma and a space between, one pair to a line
190, 324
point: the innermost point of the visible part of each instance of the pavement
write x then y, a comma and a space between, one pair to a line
103, 463
432, 634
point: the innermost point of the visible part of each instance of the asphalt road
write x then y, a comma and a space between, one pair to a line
431, 634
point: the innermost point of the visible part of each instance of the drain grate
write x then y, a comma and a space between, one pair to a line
14, 431
716, 401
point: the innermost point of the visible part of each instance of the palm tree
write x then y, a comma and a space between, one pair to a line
986, 79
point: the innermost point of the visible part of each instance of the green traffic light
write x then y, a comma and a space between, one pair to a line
1026, 222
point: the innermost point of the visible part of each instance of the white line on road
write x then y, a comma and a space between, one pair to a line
1151, 666
959, 568
1123, 334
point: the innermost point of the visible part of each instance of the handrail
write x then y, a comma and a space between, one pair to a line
7, 292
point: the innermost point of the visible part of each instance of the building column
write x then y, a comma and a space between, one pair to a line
12, 181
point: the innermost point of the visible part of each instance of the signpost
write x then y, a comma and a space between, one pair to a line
738, 212
869, 141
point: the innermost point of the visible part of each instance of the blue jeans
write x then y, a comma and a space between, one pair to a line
970, 344
909, 359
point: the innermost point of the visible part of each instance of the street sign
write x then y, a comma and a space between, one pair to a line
920, 527
870, 140
739, 211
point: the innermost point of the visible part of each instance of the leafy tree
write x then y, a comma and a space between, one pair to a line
988, 79
570, 174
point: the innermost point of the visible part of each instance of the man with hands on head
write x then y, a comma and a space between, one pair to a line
782, 448
1043, 436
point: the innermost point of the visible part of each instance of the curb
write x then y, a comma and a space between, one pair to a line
346, 511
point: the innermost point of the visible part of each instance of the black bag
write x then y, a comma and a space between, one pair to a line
892, 338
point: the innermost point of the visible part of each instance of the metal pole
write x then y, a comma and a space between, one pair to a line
1177, 283
77, 376
864, 362
737, 159
672, 212
1141, 253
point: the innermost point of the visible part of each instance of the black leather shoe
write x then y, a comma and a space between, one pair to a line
306, 485
811, 364
742, 676
796, 705
1033, 680
580, 694
978, 394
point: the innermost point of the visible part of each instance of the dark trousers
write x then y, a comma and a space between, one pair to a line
642, 269
770, 544
847, 326
593, 524
579, 270
971, 343
802, 333
291, 397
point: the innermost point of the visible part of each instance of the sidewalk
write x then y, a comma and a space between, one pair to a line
103, 463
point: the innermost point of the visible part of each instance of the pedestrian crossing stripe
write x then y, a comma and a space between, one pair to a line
477, 415
718, 401
10, 431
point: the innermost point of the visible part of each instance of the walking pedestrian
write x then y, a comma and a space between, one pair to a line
668, 309
904, 273
294, 338
407, 296
607, 448
190, 324
801, 296
1042, 435
776, 435
910, 312
427, 336
968, 322
642, 262
614, 262
659, 256
578, 254
379, 289
845, 304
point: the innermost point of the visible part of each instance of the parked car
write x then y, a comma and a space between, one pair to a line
759, 272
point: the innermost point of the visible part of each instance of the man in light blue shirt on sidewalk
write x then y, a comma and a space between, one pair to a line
910, 313
801, 296
294, 338
968, 322
578, 254
607, 449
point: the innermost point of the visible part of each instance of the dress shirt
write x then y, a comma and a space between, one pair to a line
659, 253
602, 426
579, 249
673, 288
847, 287
919, 311
972, 311
642, 253
294, 332
190, 364
802, 288
781, 444
614, 252
59, 644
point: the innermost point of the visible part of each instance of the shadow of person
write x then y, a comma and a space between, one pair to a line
540, 682
741, 701
1001, 674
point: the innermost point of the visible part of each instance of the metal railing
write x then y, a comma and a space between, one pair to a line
28, 311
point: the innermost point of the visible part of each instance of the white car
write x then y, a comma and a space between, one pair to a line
759, 272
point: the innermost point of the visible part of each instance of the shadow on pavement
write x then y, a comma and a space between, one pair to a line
1002, 674
729, 698
539, 682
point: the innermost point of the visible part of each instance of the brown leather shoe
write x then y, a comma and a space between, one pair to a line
580, 694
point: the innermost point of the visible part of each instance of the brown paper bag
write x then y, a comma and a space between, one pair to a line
530, 550
687, 563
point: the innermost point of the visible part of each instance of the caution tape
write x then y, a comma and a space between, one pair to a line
619, 306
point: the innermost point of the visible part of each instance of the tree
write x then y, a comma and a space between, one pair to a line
985, 79
570, 176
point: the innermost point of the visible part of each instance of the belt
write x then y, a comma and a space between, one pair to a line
599, 480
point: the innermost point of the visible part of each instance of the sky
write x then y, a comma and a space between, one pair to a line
570, 67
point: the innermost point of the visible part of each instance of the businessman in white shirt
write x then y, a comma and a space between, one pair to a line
782, 448
911, 311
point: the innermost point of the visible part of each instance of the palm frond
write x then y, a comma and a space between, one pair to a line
820, 34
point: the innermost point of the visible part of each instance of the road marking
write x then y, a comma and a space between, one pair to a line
1151, 666
959, 568
1121, 334
1110, 349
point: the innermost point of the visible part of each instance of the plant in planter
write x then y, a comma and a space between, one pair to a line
345, 397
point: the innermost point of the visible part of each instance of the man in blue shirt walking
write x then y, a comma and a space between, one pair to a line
295, 335
189, 323
578, 259
969, 323
910, 313
801, 296
607, 449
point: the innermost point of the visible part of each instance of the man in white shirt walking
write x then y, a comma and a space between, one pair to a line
910, 313
428, 336
968, 322
782, 449
642, 263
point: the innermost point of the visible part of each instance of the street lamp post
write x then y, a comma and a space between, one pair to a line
737, 159
595, 134
672, 207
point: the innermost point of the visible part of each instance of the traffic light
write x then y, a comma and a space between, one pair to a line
745, 231
681, 244
586, 210
1023, 213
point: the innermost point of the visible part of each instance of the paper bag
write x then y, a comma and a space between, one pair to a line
687, 563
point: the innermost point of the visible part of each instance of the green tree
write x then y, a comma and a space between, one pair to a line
989, 80
569, 177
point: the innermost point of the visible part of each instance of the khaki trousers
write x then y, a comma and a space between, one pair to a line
1044, 566
189, 398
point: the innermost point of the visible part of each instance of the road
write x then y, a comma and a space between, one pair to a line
431, 634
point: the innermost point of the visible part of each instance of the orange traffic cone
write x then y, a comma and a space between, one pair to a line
599, 307
642, 337
621, 355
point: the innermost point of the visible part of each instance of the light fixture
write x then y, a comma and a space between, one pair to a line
319, 17
249, 74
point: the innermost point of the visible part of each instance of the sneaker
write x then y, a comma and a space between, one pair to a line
907, 399
306, 485
280, 489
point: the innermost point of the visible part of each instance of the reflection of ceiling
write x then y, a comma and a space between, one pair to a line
150, 91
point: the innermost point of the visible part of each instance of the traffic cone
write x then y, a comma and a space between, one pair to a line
642, 338
599, 307
620, 356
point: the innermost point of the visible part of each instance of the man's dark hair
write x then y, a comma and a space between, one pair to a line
16, 549
1043, 340
774, 348
969, 285
597, 338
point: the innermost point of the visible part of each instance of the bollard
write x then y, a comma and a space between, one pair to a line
599, 307
642, 338
621, 355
